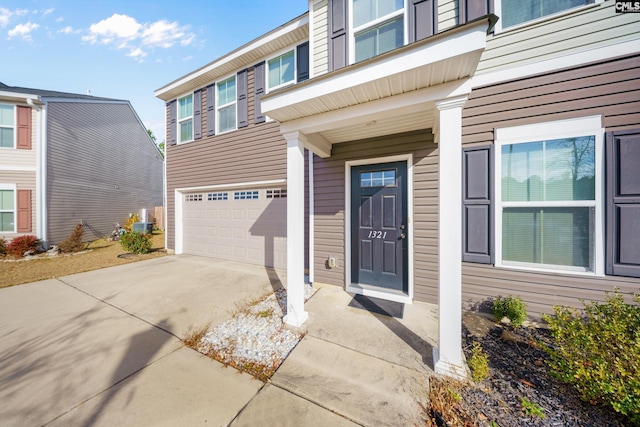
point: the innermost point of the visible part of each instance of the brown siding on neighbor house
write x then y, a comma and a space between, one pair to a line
253, 153
609, 88
329, 190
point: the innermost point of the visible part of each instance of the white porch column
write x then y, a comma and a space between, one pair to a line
295, 229
448, 358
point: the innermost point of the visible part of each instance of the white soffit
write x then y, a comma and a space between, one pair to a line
246, 56
445, 57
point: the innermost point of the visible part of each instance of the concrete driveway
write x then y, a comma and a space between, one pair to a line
102, 348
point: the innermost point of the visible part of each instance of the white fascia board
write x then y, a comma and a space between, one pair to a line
18, 96
264, 40
450, 45
553, 64
370, 111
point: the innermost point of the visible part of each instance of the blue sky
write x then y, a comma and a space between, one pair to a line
126, 49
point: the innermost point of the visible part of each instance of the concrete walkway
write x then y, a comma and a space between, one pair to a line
102, 348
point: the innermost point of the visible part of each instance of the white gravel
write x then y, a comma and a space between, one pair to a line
255, 335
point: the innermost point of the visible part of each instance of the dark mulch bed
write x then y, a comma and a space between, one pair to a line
519, 369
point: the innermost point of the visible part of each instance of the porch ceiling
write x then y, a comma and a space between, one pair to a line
391, 93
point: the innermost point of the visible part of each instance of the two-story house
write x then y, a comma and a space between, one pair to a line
68, 158
444, 151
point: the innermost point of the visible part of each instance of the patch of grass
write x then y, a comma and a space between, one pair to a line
265, 313
478, 363
531, 409
194, 335
100, 254
444, 402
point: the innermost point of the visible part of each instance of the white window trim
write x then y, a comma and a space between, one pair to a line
497, 29
179, 120
219, 107
14, 188
14, 127
351, 30
583, 126
293, 49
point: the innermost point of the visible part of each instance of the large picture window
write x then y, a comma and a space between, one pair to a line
226, 107
7, 210
514, 12
281, 70
7, 126
549, 198
185, 118
378, 27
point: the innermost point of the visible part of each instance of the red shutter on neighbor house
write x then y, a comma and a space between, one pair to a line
24, 128
24, 211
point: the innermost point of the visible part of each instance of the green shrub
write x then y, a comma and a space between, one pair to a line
597, 351
513, 308
21, 244
73, 243
135, 242
478, 363
531, 409
3, 247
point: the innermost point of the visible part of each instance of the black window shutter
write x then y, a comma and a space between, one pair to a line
173, 130
242, 105
623, 203
197, 114
211, 109
422, 19
477, 209
258, 91
302, 61
337, 34
468, 10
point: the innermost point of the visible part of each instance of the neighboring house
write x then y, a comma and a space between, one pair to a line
461, 149
67, 158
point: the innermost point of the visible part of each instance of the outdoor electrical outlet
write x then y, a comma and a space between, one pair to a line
331, 262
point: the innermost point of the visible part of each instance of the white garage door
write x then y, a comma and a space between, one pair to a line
237, 225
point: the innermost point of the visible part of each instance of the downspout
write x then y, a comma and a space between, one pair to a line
41, 172
311, 218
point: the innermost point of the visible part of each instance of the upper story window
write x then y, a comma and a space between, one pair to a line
514, 12
281, 70
7, 126
7, 210
549, 213
226, 106
185, 118
378, 27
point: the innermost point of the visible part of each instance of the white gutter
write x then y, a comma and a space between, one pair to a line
41, 170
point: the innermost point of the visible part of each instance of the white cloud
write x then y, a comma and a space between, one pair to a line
125, 32
5, 15
23, 30
68, 30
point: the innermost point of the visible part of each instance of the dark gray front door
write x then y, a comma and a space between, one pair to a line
379, 225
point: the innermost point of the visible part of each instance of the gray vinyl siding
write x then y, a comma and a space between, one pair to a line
24, 180
101, 166
329, 206
609, 88
250, 154
582, 30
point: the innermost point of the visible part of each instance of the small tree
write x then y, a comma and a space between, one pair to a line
73, 243
22, 244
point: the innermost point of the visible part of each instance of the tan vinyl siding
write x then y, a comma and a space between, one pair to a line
609, 88
23, 180
329, 206
250, 154
320, 48
101, 166
588, 28
447, 14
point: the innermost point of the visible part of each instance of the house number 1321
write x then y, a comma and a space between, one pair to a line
373, 234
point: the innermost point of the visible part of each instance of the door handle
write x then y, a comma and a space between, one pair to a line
402, 235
